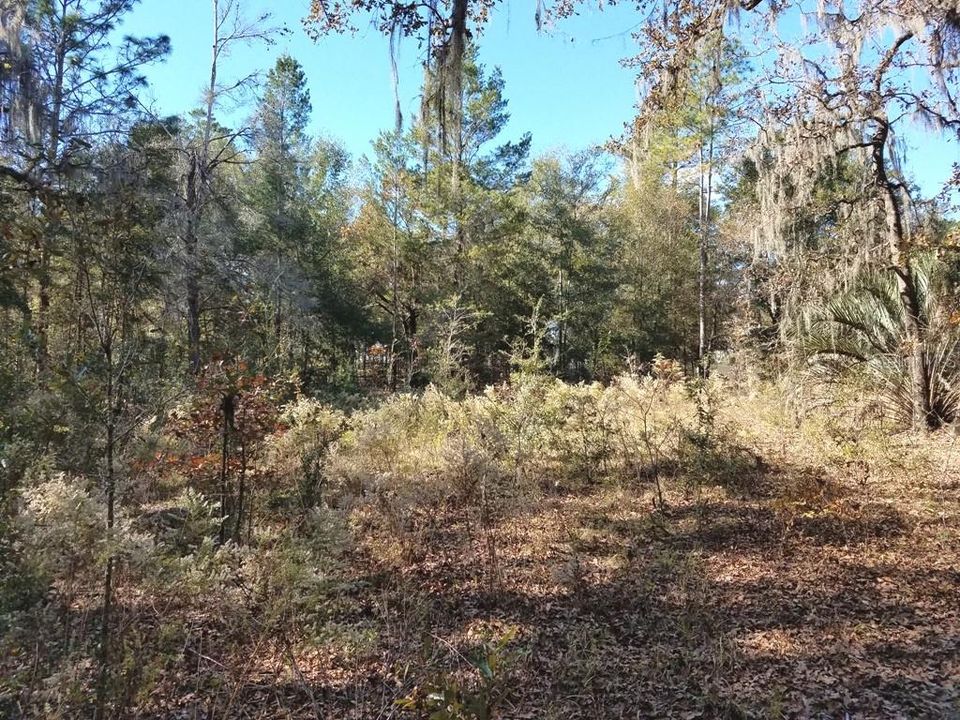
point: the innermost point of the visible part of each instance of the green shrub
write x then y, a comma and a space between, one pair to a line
490, 453
296, 455
62, 527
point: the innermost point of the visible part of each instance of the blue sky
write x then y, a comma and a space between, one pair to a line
564, 86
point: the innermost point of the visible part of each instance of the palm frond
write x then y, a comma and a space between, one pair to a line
863, 332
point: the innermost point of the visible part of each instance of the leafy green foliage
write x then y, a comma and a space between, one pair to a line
449, 700
863, 331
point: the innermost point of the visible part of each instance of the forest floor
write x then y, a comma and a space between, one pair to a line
797, 593
786, 590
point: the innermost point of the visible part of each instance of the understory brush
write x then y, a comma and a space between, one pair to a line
184, 598
418, 459
476, 494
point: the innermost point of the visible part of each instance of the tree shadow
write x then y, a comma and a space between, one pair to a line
812, 602
719, 609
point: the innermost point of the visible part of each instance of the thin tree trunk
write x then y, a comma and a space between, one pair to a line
706, 202
278, 307
193, 319
79, 319
701, 273
410, 333
456, 51
395, 280
922, 415
196, 176
191, 243
241, 490
227, 408
51, 210
193, 323
43, 310
102, 687
561, 327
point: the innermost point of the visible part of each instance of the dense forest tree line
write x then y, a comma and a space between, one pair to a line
451, 237
191, 274
274, 253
